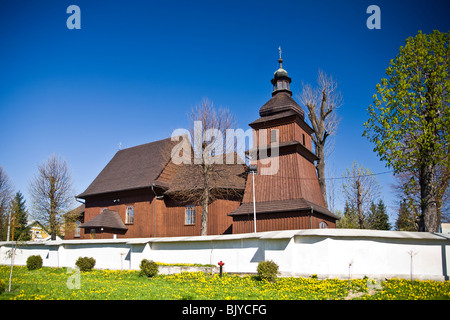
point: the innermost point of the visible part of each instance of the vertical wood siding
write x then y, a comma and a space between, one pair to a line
280, 221
170, 216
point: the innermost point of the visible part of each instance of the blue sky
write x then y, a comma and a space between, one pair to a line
135, 69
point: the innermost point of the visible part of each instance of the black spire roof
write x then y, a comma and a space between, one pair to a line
281, 96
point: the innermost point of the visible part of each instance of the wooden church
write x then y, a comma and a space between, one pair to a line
133, 196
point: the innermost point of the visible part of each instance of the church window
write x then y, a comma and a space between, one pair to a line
77, 229
279, 84
274, 135
323, 225
129, 216
189, 215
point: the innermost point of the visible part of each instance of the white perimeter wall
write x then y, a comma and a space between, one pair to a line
329, 253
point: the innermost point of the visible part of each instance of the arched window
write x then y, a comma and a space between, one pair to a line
323, 225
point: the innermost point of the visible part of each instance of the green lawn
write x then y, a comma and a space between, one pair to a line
51, 283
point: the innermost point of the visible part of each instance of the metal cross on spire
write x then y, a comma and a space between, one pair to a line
279, 49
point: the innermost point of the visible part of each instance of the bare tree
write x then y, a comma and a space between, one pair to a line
6, 192
331, 191
51, 193
360, 189
208, 156
322, 102
207, 176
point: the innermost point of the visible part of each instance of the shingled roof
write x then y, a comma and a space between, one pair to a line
140, 166
280, 102
281, 206
132, 168
106, 219
224, 176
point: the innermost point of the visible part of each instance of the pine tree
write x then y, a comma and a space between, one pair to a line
378, 218
405, 219
349, 220
19, 219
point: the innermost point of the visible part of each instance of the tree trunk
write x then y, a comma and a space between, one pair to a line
320, 167
13, 255
205, 203
52, 218
359, 205
52, 222
205, 200
428, 219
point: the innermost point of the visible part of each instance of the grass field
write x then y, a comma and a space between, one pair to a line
51, 284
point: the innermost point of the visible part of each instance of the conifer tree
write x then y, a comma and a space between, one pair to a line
19, 219
405, 219
349, 219
378, 218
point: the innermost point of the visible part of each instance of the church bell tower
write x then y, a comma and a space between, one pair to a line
289, 197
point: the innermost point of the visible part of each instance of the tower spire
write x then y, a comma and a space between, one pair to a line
280, 61
281, 80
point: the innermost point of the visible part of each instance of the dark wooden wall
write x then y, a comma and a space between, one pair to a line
280, 221
173, 219
286, 132
296, 178
170, 216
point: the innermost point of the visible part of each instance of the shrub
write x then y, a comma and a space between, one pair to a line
85, 263
267, 270
148, 268
2, 286
34, 262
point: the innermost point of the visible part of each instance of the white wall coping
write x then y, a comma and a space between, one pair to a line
284, 234
364, 233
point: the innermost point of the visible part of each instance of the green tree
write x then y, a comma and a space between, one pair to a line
19, 219
378, 218
405, 219
349, 219
409, 122
6, 192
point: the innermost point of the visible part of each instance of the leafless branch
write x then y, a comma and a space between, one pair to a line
322, 102
209, 177
360, 189
51, 193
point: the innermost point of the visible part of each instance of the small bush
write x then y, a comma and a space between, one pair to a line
267, 270
85, 263
2, 286
34, 262
148, 268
